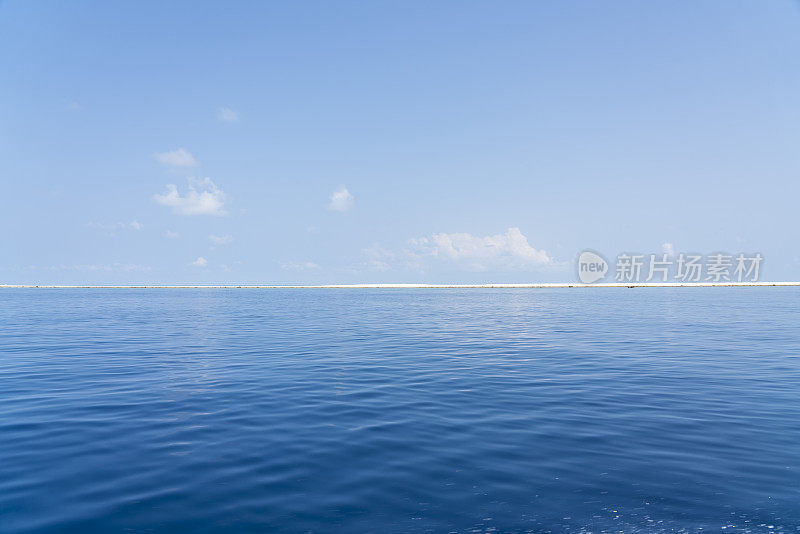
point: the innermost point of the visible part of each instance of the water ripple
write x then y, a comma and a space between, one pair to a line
659, 410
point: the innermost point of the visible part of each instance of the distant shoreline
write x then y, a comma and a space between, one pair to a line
407, 286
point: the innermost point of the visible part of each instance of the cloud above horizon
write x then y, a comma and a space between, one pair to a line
111, 229
110, 267
227, 115
220, 239
299, 266
341, 200
176, 158
509, 251
202, 198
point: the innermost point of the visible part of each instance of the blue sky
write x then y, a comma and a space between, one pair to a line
321, 142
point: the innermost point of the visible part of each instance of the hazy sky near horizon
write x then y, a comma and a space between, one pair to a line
324, 142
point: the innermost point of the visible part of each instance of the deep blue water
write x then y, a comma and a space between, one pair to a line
561, 410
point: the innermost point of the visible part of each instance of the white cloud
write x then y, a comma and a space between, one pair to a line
202, 198
668, 249
509, 251
341, 200
376, 265
220, 239
111, 229
227, 115
169, 234
112, 267
176, 158
200, 262
381, 259
299, 266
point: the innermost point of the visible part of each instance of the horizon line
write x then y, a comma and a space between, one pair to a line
407, 286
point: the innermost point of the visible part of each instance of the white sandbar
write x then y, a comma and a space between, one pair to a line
411, 286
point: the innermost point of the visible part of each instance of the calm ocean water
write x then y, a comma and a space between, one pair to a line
562, 410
